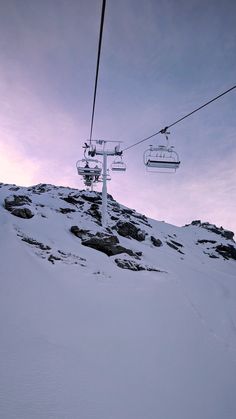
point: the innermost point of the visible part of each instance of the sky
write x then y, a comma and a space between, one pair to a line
160, 60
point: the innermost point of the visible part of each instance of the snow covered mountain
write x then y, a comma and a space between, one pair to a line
134, 321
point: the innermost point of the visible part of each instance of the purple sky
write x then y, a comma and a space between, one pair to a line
160, 60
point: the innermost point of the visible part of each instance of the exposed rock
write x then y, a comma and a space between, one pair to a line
127, 211
95, 213
53, 258
107, 244
142, 218
16, 201
194, 223
71, 200
227, 251
133, 265
35, 243
176, 243
79, 232
22, 213
116, 210
173, 246
103, 242
127, 229
66, 210
203, 241
156, 242
110, 197
41, 188
113, 218
227, 234
91, 198
14, 188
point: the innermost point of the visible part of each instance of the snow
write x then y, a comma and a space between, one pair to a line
93, 341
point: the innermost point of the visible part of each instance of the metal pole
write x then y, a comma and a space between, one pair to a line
104, 190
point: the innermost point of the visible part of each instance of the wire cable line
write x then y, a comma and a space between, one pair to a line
163, 130
97, 67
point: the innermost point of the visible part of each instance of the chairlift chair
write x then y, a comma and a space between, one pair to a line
118, 165
89, 167
161, 158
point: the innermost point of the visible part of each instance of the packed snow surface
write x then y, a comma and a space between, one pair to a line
83, 338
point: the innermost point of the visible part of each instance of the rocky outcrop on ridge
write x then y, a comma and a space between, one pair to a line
136, 239
134, 266
227, 251
12, 203
227, 234
103, 242
129, 230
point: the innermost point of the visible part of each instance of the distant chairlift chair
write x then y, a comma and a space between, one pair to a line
161, 158
118, 165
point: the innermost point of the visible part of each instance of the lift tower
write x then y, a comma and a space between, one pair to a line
105, 149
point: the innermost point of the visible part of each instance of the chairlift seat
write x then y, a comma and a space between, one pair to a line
93, 171
118, 167
163, 164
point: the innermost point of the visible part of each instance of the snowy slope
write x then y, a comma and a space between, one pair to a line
84, 338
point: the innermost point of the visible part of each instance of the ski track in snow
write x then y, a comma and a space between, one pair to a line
205, 324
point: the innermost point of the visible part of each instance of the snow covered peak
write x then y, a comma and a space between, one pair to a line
62, 220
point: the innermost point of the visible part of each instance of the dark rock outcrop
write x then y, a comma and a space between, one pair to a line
129, 230
106, 244
132, 265
34, 242
71, 200
176, 243
91, 198
53, 258
204, 241
227, 251
227, 234
22, 213
95, 213
174, 246
14, 188
79, 232
103, 242
156, 242
66, 210
16, 201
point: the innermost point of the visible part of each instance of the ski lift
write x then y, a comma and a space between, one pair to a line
161, 158
89, 167
118, 165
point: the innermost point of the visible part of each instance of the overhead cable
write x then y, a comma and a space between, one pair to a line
163, 130
97, 67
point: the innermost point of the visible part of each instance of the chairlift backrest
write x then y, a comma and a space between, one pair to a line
118, 165
161, 157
